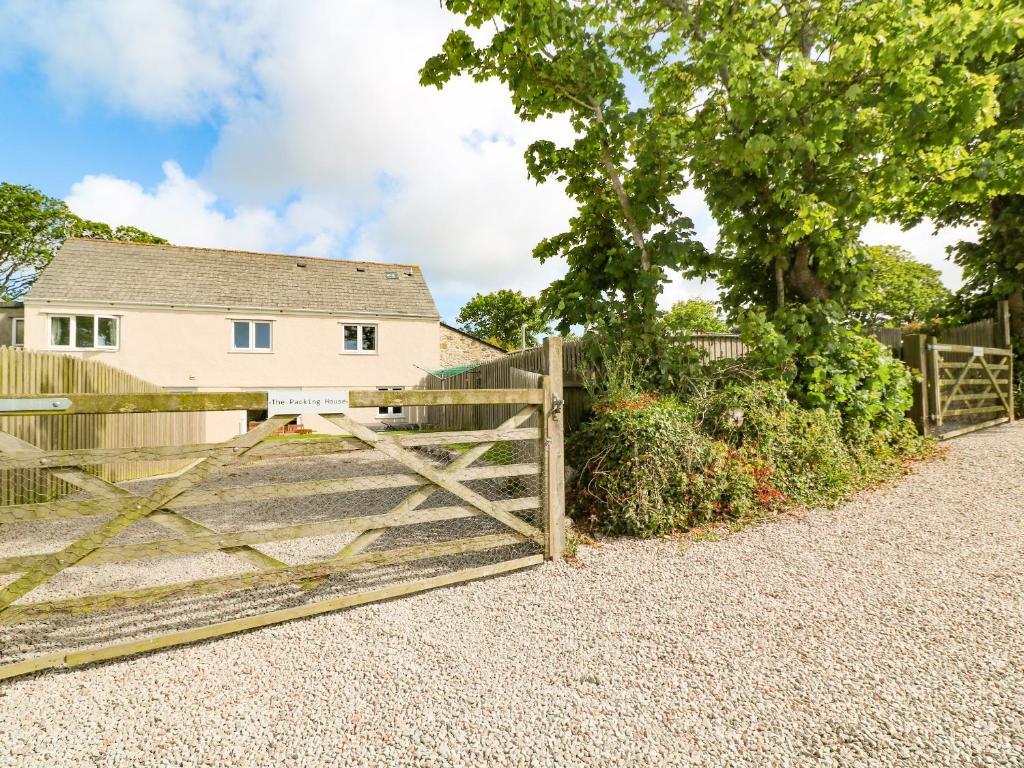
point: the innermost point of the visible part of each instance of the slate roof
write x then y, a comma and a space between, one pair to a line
102, 271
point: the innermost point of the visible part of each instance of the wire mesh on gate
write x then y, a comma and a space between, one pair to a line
259, 535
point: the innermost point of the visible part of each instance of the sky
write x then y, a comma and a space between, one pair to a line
299, 128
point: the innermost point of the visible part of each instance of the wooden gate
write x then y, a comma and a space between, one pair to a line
262, 529
969, 387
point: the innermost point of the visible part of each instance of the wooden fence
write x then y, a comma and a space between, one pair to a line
29, 372
385, 516
524, 369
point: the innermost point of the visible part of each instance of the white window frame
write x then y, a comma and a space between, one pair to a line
389, 411
73, 332
15, 322
252, 349
359, 339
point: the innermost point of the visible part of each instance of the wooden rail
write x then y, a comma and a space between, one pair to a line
164, 505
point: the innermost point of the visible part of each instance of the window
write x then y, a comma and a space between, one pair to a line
84, 331
18, 332
359, 339
250, 336
394, 410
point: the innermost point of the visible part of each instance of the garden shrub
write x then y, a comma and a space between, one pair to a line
804, 448
644, 469
648, 465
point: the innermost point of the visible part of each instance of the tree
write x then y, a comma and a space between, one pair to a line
557, 58
987, 194
33, 226
500, 316
899, 290
799, 120
694, 316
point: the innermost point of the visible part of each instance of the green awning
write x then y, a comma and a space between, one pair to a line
447, 373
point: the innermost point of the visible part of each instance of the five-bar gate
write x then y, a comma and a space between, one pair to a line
265, 528
969, 387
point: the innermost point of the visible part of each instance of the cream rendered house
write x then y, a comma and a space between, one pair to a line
198, 319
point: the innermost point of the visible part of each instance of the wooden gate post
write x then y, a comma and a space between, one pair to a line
554, 449
915, 354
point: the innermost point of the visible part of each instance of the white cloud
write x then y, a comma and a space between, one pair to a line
925, 244
164, 59
183, 211
327, 143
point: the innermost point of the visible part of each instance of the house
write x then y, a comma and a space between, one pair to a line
201, 319
460, 348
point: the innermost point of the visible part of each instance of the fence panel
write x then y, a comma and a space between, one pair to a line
521, 369
30, 372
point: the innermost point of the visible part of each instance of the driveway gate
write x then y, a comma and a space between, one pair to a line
263, 528
969, 387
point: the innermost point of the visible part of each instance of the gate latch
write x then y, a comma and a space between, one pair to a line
556, 404
55, 404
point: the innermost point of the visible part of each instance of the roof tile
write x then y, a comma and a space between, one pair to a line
136, 273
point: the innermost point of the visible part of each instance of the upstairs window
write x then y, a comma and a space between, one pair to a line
84, 332
250, 336
18, 332
359, 339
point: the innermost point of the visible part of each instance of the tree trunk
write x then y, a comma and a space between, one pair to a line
803, 279
1016, 304
780, 283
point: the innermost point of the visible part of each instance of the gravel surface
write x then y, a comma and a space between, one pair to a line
886, 632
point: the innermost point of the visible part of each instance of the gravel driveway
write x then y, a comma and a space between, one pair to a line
888, 632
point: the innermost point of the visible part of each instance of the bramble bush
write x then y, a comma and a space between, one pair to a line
732, 448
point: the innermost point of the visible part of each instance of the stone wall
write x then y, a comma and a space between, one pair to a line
458, 348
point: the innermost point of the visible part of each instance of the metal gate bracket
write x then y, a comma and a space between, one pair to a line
8, 405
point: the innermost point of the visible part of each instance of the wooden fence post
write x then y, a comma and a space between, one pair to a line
934, 380
915, 354
554, 449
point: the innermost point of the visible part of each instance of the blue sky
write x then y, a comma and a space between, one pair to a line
290, 127
49, 146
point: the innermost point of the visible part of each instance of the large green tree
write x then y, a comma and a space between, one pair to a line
501, 316
899, 289
622, 170
799, 120
33, 226
989, 191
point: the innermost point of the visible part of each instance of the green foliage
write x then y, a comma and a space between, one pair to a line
33, 226
694, 316
646, 471
650, 466
987, 193
798, 121
849, 373
622, 169
500, 316
899, 290
622, 364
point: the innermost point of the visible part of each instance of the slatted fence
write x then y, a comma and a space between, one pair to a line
260, 529
524, 368
30, 372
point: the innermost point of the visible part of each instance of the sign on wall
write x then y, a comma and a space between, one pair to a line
289, 402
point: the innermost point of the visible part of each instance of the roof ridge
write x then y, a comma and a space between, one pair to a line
236, 250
